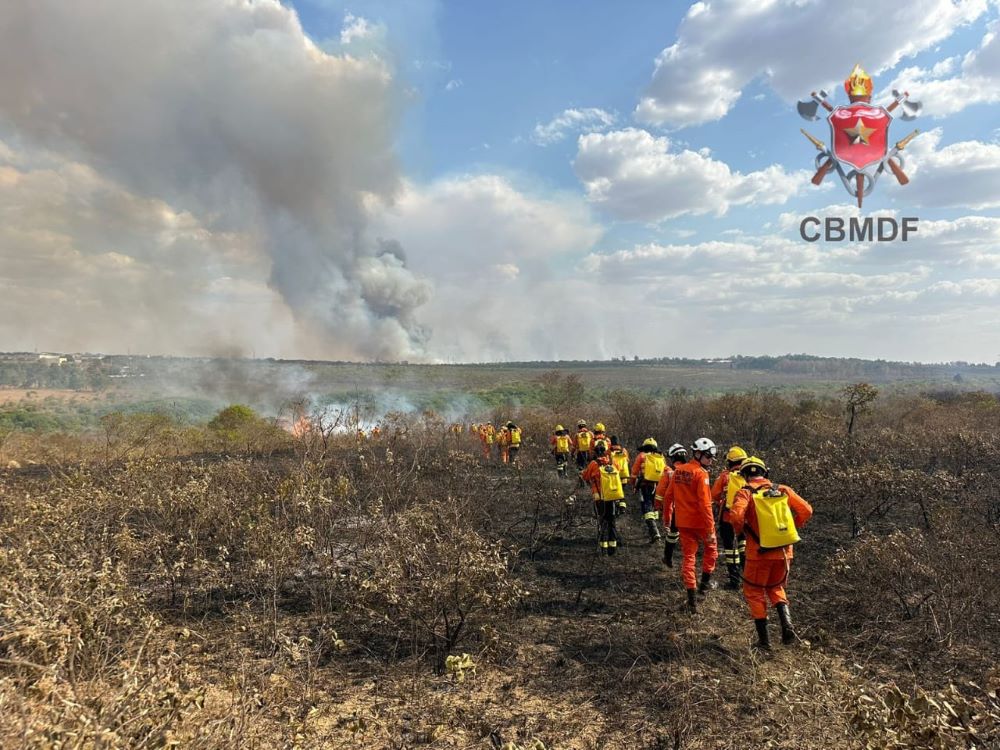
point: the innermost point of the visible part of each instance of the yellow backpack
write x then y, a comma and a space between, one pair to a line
619, 459
562, 443
611, 483
583, 440
653, 466
515, 436
774, 519
734, 484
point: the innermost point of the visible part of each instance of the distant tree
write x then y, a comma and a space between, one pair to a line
858, 398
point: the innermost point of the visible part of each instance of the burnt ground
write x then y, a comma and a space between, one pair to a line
603, 654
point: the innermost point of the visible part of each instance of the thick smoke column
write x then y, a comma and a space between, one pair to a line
225, 109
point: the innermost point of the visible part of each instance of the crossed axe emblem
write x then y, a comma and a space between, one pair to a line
859, 182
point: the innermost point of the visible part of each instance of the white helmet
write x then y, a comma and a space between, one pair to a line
676, 449
704, 445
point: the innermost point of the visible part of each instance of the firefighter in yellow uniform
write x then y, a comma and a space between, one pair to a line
513, 442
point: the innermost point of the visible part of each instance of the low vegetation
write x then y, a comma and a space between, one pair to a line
231, 584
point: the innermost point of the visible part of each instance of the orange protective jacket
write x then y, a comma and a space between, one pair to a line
744, 515
592, 474
689, 497
661, 490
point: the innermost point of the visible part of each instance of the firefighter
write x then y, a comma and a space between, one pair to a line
619, 457
600, 436
723, 492
647, 470
513, 442
676, 454
583, 444
770, 514
689, 498
607, 491
560, 443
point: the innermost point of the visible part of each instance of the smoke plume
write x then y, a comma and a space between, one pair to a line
225, 111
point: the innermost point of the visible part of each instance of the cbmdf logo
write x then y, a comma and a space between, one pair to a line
859, 135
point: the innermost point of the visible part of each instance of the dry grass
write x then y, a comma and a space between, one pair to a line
308, 594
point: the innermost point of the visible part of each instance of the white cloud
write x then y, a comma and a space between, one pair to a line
634, 175
502, 260
702, 75
454, 83
964, 174
572, 121
978, 81
355, 27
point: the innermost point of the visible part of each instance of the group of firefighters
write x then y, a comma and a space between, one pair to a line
756, 519
504, 438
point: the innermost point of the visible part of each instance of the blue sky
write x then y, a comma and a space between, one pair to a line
466, 181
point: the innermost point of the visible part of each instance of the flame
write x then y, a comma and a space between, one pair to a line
859, 83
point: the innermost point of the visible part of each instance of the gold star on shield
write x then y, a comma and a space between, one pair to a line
859, 133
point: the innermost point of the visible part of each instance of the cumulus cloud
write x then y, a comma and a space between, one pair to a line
634, 175
965, 174
701, 76
229, 113
461, 225
568, 121
931, 298
942, 93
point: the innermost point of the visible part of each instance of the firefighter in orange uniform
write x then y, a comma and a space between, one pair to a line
560, 443
647, 469
676, 454
689, 498
583, 444
766, 568
723, 493
607, 497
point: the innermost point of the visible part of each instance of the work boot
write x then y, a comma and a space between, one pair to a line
706, 583
763, 641
788, 636
654, 533
692, 604
735, 579
668, 554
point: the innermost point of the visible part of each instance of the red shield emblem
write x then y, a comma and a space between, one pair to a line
860, 134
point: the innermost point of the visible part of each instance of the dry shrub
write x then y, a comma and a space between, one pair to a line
925, 597
890, 719
430, 583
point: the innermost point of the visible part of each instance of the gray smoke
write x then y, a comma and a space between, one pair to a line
226, 110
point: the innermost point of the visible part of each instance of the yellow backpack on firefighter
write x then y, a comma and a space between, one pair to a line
515, 436
562, 443
775, 521
611, 483
583, 440
653, 466
734, 483
619, 459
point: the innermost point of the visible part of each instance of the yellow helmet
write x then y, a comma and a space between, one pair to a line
649, 443
599, 426
559, 428
757, 464
736, 454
